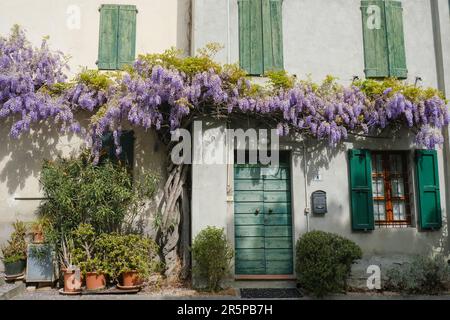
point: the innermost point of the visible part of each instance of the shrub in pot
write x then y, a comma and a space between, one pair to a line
324, 261
212, 255
129, 258
14, 254
71, 273
89, 257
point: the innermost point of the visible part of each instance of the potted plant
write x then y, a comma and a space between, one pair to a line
15, 252
130, 258
89, 257
71, 273
39, 228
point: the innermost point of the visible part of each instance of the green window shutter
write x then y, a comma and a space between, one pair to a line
127, 144
127, 35
396, 41
250, 36
374, 36
272, 34
429, 201
108, 45
360, 167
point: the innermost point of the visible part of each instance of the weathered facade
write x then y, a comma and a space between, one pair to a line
321, 38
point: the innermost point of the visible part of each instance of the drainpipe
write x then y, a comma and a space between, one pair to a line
305, 170
228, 34
440, 72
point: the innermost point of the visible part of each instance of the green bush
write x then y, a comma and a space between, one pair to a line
125, 253
212, 255
103, 196
16, 249
323, 262
423, 275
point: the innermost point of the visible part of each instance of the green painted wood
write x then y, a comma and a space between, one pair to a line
251, 254
268, 235
277, 196
256, 38
395, 38
249, 231
360, 167
375, 41
272, 35
279, 254
244, 34
108, 44
248, 208
127, 35
249, 196
279, 267
249, 243
278, 243
277, 185
429, 200
248, 185
278, 231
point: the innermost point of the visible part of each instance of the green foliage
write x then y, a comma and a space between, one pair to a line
212, 255
16, 248
423, 275
95, 79
81, 192
87, 254
324, 261
374, 88
280, 79
125, 253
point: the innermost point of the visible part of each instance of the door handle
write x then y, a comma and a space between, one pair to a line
270, 211
257, 212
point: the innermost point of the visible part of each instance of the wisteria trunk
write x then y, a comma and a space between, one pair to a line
173, 235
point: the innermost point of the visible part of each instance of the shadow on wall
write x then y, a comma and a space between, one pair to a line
22, 158
184, 22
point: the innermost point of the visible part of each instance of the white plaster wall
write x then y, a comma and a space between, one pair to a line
322, 37
161, 24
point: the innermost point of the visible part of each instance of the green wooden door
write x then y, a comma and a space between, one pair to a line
263, 221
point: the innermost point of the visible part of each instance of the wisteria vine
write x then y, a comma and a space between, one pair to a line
34, 88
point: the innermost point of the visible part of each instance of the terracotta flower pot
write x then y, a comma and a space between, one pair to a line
38, 237
95, 281
131, 279
71, 283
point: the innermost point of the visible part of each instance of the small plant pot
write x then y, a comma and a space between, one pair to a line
71, 283
15, 268
131, 279
95, 281
38, 237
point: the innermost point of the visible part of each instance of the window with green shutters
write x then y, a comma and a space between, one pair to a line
117, 37
384, 44
260, 36
379, 189
429, 202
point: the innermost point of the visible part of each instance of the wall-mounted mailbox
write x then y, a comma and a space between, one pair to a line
319, 202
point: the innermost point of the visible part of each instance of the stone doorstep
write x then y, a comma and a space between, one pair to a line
11, 290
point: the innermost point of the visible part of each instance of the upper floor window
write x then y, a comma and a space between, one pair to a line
117, 38
260, 36
384, 45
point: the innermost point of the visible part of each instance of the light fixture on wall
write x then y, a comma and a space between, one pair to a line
418, 79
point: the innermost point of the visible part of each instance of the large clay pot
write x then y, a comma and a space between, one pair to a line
71, 283
131, 279
95, 281
15, 268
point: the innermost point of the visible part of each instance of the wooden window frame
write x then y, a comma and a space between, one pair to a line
387, 182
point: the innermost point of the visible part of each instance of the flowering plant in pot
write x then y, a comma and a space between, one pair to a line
39, 229
89, 257
14, 254
130, 258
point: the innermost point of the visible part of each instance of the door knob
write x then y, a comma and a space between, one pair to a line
256, 212
270, 211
